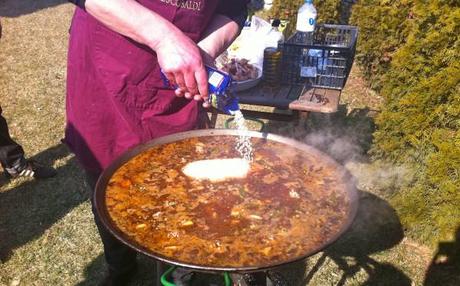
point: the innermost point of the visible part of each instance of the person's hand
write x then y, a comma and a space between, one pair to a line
181, 61
208, 61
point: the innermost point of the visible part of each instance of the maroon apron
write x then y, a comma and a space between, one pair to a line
115, 94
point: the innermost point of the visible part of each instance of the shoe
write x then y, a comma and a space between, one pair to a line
31, 169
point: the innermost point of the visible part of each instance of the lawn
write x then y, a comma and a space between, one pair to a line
47, 234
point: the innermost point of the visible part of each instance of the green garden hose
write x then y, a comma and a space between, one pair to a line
228, 281
165, 282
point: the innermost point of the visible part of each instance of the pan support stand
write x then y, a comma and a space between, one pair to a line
163, 271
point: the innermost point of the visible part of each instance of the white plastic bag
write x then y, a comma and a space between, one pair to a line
250, 44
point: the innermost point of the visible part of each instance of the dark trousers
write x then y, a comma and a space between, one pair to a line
120, 258
11, 153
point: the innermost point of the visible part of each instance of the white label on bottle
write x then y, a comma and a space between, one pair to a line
215, 79
308, 72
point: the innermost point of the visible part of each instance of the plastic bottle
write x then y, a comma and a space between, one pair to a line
274, 37
272, 55
306, 21
220, 96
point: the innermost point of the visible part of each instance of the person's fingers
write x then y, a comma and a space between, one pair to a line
206, 104
197, 97
170, 77
180, 82
202, 81
188, 95
179, 92
190, 82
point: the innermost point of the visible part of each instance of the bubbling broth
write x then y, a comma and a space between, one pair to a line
288, 205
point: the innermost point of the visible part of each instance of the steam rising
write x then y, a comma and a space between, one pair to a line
347, 139
341, 148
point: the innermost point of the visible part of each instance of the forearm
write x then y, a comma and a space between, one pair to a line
131, 19
219, 35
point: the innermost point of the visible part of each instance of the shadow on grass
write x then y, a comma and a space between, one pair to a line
16, 8
94, 272
97, 269
445, 265
375, 229
30, 208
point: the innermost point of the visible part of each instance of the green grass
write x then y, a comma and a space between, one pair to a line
47, 233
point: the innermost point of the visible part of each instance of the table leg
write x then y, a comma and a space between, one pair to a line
214, 114
300, 121
303, 116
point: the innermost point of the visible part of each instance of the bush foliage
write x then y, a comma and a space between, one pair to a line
410, 50
383, 29
328, 11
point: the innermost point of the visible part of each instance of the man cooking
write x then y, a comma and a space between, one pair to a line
116, 98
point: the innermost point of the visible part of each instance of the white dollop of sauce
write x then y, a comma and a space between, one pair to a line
217, 170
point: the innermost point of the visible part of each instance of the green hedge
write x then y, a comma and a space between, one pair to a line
410, 50
384, 27
328, 11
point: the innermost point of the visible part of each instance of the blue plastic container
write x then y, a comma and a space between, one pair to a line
219, 84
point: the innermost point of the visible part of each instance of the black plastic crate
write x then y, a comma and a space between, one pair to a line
320, 59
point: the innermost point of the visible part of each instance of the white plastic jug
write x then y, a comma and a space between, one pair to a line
306, 17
